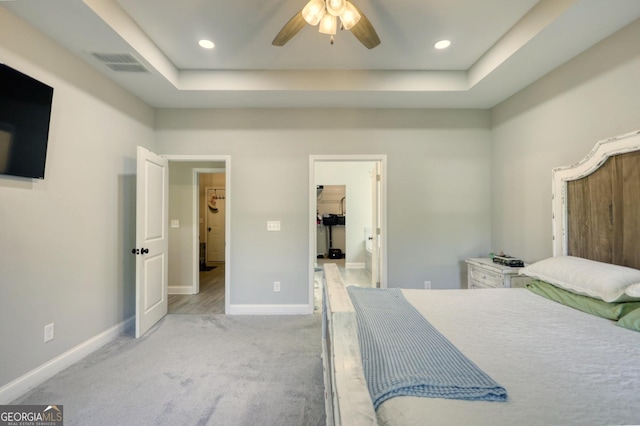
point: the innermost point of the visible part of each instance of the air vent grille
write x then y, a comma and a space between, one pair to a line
127, 67
120, 62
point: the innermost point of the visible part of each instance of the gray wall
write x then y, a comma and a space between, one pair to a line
438, 188
65, 241
555, 122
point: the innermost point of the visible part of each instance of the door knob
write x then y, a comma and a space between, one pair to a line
135, 251
209, 229
144, 250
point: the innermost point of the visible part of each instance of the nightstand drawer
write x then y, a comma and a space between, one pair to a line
478, 284
482, 278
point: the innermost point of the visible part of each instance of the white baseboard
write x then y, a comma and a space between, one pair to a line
270, 310
180, 289
33, 378
354, 266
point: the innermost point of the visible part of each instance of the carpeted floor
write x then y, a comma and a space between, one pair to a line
198, 370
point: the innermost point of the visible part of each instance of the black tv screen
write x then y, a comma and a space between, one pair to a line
25, 112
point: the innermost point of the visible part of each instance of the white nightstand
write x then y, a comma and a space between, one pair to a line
483, 273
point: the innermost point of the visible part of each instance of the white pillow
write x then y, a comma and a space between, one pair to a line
604, 281
633, 291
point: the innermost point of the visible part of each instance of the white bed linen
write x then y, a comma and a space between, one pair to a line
558, 365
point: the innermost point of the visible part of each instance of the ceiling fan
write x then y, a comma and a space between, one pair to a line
325, 14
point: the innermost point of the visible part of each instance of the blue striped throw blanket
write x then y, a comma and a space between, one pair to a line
404, 355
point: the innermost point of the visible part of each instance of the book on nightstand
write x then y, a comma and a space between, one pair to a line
508, 261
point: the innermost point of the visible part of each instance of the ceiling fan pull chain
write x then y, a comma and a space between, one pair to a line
332, 39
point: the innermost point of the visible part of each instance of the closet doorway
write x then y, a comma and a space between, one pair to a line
332, 224
362, 260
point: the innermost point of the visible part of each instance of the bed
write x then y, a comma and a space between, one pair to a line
558, 364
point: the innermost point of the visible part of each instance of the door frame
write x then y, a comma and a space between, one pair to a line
313, 159
195, 207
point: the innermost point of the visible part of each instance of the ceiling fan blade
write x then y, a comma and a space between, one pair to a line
289, 30
365, 32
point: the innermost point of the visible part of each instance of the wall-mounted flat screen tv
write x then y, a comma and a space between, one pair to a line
25, 112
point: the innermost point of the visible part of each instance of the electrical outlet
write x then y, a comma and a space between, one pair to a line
48, 332
276, 286
427, 285
273, 225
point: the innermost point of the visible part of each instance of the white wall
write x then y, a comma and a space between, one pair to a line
355, 175
65, 241
554, 122
438, 188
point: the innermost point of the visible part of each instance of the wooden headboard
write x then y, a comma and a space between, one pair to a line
596, 204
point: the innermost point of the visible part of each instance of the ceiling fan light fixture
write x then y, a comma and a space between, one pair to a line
350, 16
336, 7
325, 13
328, 24
313, 12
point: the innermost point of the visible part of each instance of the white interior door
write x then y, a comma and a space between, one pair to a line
215, 223
375, 225
152, 247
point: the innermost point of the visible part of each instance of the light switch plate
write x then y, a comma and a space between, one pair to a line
175, 223
273, 225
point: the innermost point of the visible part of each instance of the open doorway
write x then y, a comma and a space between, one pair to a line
199, 205
342, 228
210, 297
331, 210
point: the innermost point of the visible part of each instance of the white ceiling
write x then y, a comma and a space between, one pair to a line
498, 47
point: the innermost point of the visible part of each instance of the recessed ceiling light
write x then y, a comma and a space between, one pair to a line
442, 44
207, 44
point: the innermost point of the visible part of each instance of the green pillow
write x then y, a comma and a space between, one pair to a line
631, 320
609, 310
